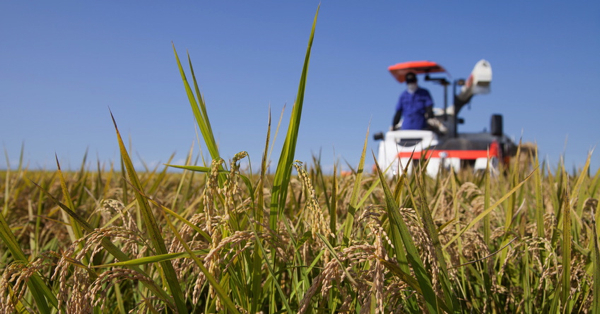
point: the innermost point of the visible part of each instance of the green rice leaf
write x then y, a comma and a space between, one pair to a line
450, 299
286, 159
354, 205
38, 288
151, 225
410, 281
271, 271
539, 198
74, 229
152, 259
400, 229
246, 180
199, 109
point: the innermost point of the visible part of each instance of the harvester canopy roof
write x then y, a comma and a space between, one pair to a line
400, 70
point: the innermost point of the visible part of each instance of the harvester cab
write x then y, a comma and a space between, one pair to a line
441, 146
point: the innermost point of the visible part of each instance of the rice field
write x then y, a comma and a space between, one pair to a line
217, 238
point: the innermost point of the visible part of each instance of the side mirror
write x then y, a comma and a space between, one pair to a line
378, 136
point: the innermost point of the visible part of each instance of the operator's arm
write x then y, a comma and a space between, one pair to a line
428, 105
398, 114
429, 112
396, 118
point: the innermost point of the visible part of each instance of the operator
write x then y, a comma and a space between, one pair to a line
415, 106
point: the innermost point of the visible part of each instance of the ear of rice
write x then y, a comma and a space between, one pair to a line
40, 291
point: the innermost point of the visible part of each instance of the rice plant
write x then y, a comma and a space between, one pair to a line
217, 238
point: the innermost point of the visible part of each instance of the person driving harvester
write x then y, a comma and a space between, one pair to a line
415, 106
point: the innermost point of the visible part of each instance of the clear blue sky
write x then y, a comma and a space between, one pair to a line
64, 63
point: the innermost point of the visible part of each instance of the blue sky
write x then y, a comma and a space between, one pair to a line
63, 64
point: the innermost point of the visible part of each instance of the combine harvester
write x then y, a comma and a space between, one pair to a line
442, 147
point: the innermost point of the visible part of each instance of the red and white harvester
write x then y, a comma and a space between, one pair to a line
442, 146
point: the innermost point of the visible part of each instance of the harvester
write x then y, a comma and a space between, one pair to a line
441, 146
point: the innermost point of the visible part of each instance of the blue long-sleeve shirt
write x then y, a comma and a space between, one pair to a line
412, 107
